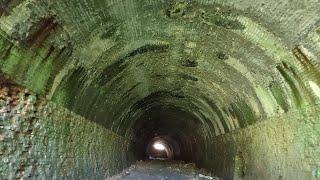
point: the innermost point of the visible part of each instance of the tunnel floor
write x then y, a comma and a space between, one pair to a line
160, 170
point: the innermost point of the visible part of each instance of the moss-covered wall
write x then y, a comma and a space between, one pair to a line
199, 68
41, 141
111, 54
284, 147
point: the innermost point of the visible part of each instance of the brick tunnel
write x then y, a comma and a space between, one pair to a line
87, 87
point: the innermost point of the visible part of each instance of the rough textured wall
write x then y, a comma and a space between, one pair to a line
285, 147
116, 59
43, 141
227, 64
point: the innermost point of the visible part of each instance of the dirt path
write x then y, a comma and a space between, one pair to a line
158, 170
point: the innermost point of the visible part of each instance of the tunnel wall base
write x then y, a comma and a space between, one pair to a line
285, 147
44, 141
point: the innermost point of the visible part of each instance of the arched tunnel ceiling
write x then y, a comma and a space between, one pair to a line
228, 63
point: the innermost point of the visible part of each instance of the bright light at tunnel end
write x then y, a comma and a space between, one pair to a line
158, 146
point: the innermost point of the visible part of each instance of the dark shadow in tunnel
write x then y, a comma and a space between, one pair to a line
175, 128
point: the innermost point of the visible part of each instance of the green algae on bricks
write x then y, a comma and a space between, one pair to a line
11, 64
5, 47
109, 30
243, 112
318, 31
221, 20
279, 95
295, 91
38, 79
66, 93
215, 15
28, 68
177, 9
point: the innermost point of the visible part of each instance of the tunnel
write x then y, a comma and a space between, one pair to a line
90, 87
